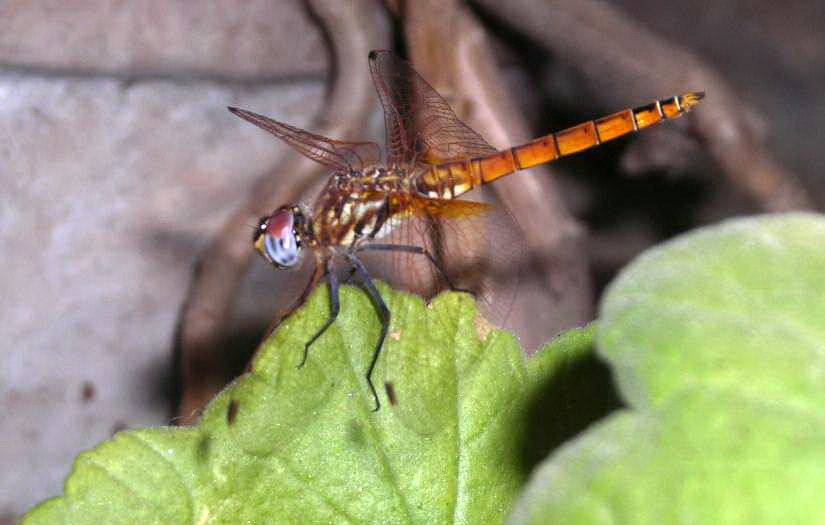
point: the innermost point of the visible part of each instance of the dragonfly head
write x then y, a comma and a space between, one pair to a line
279, 236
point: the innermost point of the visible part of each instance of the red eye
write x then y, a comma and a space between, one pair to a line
280, 224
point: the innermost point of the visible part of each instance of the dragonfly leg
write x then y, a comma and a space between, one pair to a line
419, 250
383, 311
332, 282
348, 278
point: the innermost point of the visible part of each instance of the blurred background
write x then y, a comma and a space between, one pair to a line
128, 290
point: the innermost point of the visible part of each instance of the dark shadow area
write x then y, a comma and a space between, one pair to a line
203, 448
157, 385
580, 393
630, 214
235, 354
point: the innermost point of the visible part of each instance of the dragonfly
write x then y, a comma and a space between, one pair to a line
400, 203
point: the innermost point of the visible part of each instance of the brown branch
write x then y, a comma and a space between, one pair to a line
222, 265
619, 58
466, 73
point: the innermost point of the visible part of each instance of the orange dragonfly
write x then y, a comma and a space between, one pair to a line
400, 204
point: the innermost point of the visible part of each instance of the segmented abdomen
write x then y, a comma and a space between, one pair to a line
451, 179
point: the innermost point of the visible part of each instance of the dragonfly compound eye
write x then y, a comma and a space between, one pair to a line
278, 243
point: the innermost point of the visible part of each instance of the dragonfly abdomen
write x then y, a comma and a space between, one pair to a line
451, 179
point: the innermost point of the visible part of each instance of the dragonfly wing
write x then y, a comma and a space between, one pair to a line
477, 245
335, 154
420, 125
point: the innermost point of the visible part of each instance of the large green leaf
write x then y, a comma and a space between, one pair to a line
717, 343
288, 445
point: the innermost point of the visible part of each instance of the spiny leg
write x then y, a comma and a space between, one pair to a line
332, 281
348, 278
419, 250
383, 311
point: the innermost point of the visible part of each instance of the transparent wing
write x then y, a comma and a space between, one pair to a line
477, 245
420, 125
335, 154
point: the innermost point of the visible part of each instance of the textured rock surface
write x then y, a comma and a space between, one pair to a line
258, 38
108, 193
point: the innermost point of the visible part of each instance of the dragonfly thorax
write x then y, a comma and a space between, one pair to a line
358, 206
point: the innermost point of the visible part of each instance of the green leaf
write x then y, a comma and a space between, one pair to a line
289, 445
717, 342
